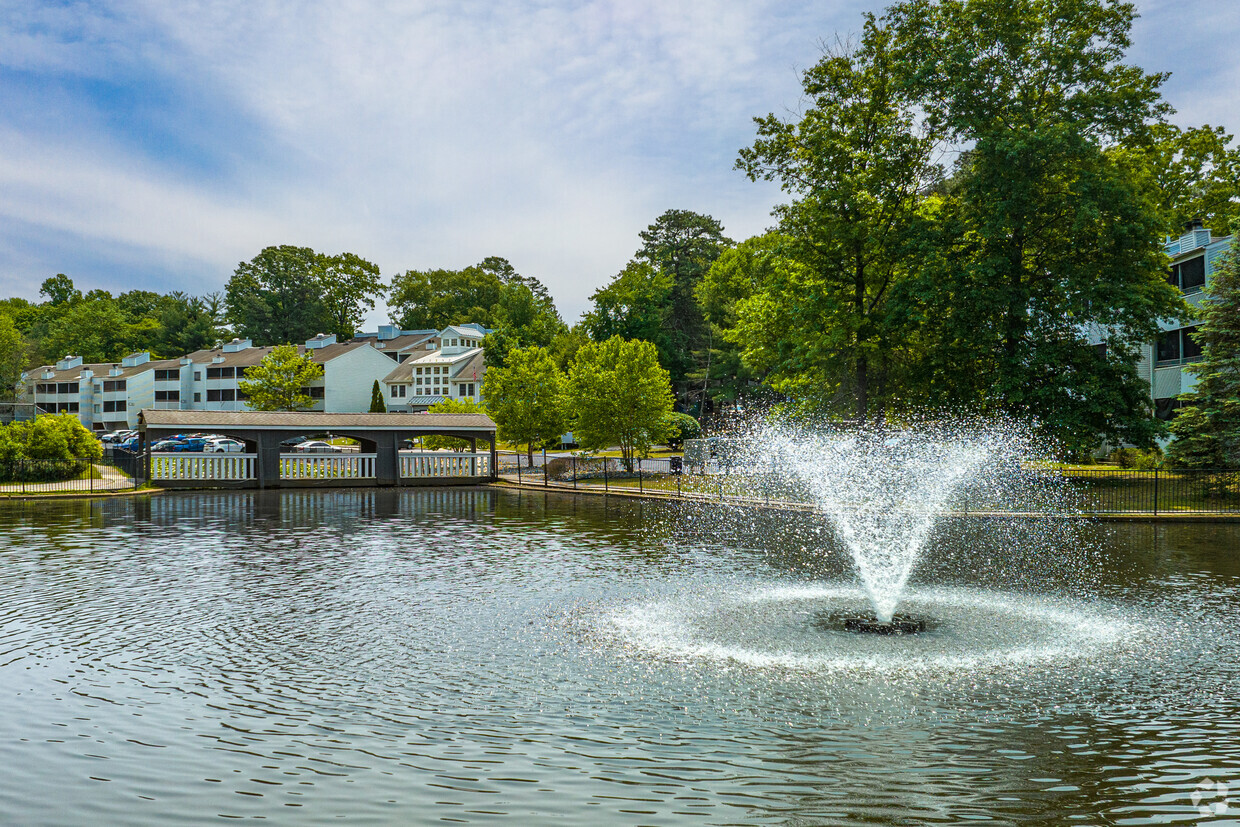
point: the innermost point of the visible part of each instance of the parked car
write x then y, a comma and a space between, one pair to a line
195, 444
316, 447
166, 445
223, 445
291, 443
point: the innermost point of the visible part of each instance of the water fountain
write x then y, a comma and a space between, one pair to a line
883, 492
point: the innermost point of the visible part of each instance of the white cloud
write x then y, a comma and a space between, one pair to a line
419, 134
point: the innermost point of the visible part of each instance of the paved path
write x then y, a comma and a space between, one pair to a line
111, 479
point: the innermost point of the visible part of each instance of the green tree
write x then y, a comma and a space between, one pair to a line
1193, 173
633, 306
278, 297
451, 406
526, 398
619, 394
59, 437
278, 382
59, 289
1207, 429
434, 299
94, 328
680, 427
186, 324
14, 353
350, 284
1047, 230
377, 404
856, 165
738, 274
521, 319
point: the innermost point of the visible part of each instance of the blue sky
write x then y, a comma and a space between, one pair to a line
157, 144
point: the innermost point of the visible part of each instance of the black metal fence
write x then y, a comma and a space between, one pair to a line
1158, 491
72, 476
1093, 491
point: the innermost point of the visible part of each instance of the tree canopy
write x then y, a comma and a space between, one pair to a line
525, 397
289, 294
619, 394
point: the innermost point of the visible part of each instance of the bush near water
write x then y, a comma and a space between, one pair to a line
50, 447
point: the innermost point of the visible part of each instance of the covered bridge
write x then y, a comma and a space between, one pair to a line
382, 458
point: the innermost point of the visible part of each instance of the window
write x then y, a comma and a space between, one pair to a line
220, 395
67, 407
197, 376
197, 397
403, 391
1169, 346
167, 396
213, 395
167, 375
313, 393
1178, 346
67, 387
48, 387
1189, 276
418, 381
113, 385
419, 371
1190, 348
394, 391
221, 373
113, 405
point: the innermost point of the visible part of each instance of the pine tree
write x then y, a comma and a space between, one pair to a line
1207, 430
376, 399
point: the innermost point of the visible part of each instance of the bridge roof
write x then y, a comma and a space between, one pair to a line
316, 422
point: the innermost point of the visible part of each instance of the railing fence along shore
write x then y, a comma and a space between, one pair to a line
1097, 490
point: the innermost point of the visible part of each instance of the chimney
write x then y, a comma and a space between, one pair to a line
135, 359
237, 345
69, 362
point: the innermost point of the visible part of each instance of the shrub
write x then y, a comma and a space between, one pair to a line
681, 426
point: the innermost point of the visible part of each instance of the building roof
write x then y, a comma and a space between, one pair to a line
100, 370
254, 355
312, 421
455, 362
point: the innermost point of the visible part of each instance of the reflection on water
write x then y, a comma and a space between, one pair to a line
398, 657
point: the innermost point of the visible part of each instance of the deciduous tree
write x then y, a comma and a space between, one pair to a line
526, 398
1046, 232
278, 382
619, 394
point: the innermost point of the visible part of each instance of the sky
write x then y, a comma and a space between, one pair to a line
155, 144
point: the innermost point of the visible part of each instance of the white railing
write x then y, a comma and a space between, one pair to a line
194, 466
327, 466
436, 464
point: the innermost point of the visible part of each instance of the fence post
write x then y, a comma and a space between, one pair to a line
605, 488
90, 469
639, 476
518, 469
1155, 492
574, 472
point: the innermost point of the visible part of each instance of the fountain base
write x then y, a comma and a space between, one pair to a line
898, 625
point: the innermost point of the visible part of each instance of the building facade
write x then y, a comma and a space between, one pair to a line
109, 396
1194, 257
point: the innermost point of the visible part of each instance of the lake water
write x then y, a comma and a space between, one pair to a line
475, 656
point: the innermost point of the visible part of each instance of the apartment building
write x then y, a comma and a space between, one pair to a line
1194, 256
105, 396
210, 379
453, 371
108, 396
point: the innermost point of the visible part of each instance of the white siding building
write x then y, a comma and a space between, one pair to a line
454, 371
